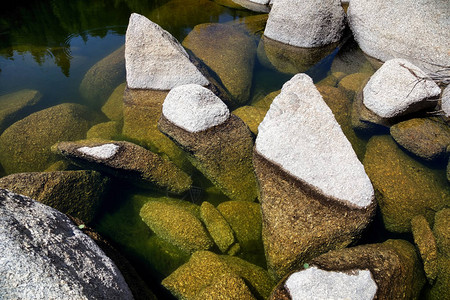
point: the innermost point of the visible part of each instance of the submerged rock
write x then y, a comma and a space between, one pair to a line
15, 106
352, 83
102, 78
106, 131
218, 144
25, 145
155, 59
253, 25
390, 270
308, 180
113, 107
391, 31
251, 115
127, 161
77, 193
426, 243
306, 24
404, 187
255, 5
425, 138
45, 256
177, 225
229, 52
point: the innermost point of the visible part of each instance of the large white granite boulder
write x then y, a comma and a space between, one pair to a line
309, 23
445, 101
45, 256
417, 30
155, 59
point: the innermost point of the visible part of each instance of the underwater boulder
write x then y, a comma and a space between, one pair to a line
218, 143
106, 130
113, 107
253, 25
102, 78
390, 270
351, 84
254, 5
127, 161
251, 115
45, 256
25, 145
15, 106
306, 24
404, 187
77, 193
309, 177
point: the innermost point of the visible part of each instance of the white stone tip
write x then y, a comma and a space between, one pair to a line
100, 152
194, 108
314, 283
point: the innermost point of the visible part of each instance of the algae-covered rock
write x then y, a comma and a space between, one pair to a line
77, 193
176, 225
218, 144
251, 115
441, 230
404, 187
352, 83
393, 266
127, 161
107, 130
226, 286
113, 107
424, 137
245, 220
217, 226
102, 78
60, 165
253, 25
25, 145
426, 243
15, 106
350, 59
229, 52
265, 102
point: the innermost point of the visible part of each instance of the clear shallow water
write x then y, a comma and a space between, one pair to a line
50, 45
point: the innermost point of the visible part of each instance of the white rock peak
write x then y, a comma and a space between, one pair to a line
154, 59
396, 86
194, 108
300, 134
316, 284
100, 152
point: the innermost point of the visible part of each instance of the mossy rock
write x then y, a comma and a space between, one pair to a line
426, 243
142, 110
217, 226
15, 106
253, 25
107, 131
245, 219
176, 225
403, 186
352, 83
25, 145
60, 165
331, 80
77, 193
102, 78
441, 231
423, 137
113, 107
229, 52
251, 115
266, 101
226, 286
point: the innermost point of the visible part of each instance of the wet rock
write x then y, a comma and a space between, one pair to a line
251, 115
45, 256
155, 59
426, 243
77, 193
404, 187
445, 101
254, 5
142, 110
218, 144
399, 88
60, 165
253, 25
245, 220
391, 31
390, 270
425, 138
217, 226
107, 131
102, 78
127, 161
15, 106
266, 101
228, 3
176, 225
113, 107
441, 231
350, 59
352, 83
308, 180
290, 59
307, 23
226, 286
25, 145
234, 64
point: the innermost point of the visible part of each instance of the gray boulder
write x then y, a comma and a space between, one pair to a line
254, 5
45, 256
309, 177
417, 30
15, 106
306, 24
445, 101
155, 59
